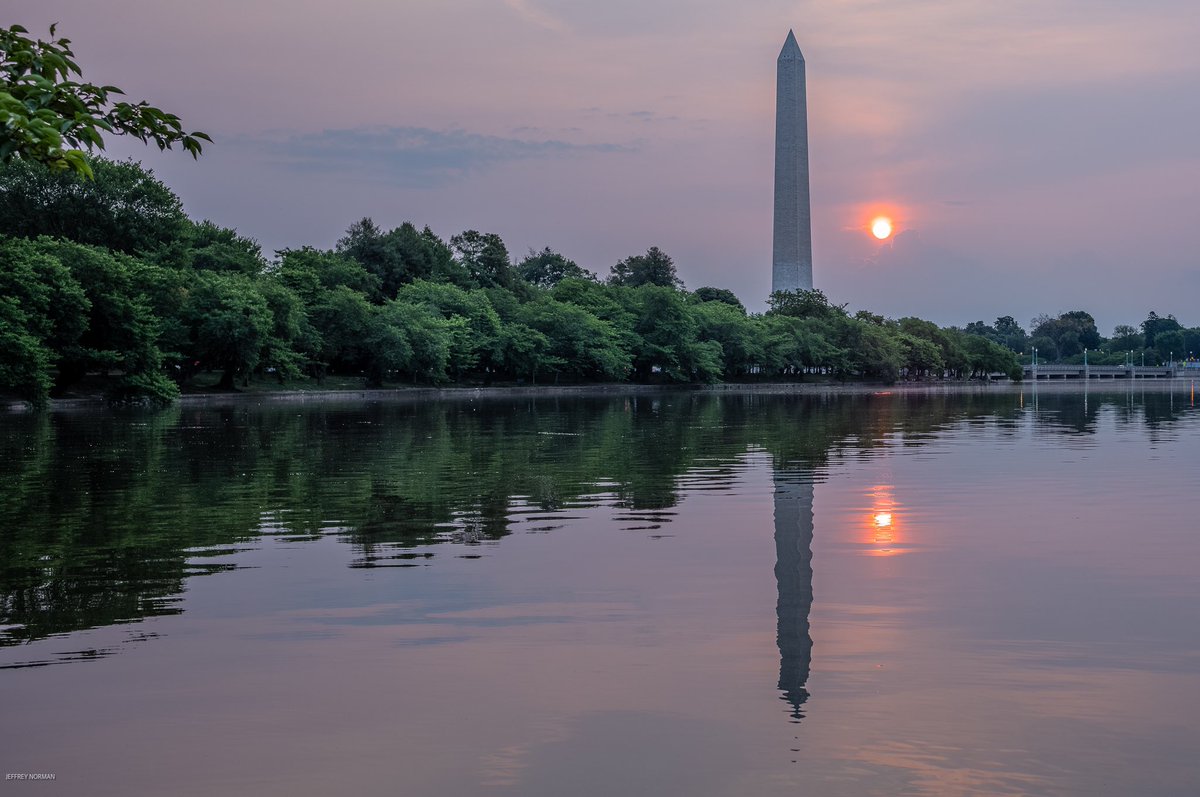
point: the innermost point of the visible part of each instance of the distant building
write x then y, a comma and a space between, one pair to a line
791, 256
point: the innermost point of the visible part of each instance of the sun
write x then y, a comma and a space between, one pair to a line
881, 227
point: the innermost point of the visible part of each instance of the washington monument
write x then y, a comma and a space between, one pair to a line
791, 256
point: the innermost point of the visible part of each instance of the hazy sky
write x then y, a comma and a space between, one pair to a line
1038, 155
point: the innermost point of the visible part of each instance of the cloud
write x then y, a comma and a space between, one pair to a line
537, 16
411, 157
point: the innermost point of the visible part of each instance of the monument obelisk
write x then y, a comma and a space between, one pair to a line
791, 256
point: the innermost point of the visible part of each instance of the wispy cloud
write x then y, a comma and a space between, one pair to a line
412, 157
537, 16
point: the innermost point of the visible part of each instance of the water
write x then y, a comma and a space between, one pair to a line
877, 594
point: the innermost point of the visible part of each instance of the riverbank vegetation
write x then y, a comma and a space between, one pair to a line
107, 281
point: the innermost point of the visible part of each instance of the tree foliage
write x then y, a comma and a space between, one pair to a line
108, 283
49, 117
653, 268
547, 268
124, 208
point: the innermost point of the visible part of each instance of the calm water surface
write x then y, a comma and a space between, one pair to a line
889, 594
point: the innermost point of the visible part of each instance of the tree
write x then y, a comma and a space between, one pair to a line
577, 343
1010, 334
1072, 332
921, 357
230, 322
399, 256
791, 345
987, 357
485, 257
803, 304
1047, 348
666, 337
1170, 344
47, 117
723, 295
873, 351
124, 208
736, 333
982, 330
653, 268
1154, 325
342, 317
215, 248
309, 272
950, 342
477, 341
121, 331
43, 312
547, 268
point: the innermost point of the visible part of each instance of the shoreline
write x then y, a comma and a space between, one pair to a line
601, 390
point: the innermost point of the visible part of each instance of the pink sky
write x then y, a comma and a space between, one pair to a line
1040, 154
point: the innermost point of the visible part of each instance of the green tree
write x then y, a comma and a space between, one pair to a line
342, 317
230, 323
791, 346
922, 357
292, 343
1046, 346
950, 343
1010, 334
667, 337
1154, 325
707, 294
309, 272
210, 247
653, 268
872, 350
122, 331
1170, 344
982, 330
48, 117
803, 304
738, 335
987, 357
485, 258
43, 312
477, 341
1071, 332
125, 208
547, 268
579, 345
399, 256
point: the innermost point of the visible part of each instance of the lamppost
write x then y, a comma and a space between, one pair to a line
1035, 363
1085, 364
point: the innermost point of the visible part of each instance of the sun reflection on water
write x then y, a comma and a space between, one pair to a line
881, 529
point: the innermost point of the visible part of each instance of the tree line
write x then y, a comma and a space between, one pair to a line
107, 278
1156, 340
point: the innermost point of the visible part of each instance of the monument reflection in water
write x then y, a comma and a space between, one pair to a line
793, 578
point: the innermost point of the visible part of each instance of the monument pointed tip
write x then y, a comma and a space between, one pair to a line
790, 48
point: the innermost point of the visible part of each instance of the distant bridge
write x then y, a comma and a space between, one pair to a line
1053, 372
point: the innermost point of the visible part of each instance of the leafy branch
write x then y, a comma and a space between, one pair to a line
48, 116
